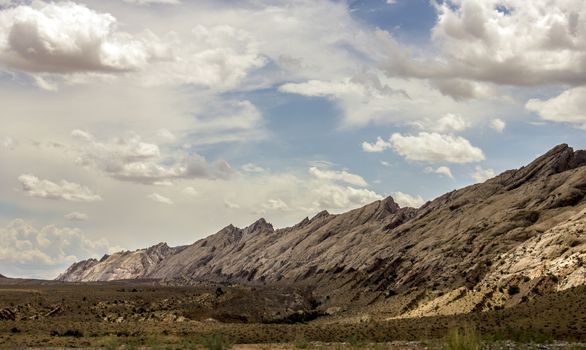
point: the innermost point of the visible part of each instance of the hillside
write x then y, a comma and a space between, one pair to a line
460, 252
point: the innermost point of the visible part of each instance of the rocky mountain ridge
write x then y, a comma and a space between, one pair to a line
469, 244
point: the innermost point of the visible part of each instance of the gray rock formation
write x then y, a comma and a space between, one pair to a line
465, 239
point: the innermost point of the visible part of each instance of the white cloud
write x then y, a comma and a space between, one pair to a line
379, 146
149, 2
66, 37
8, 143
76, 216
231, 205
407, 200
27, 251
131, 159
165, 135
512, 42
65, 190
159, 198
568, 107
434, 147
252, 168
275, 205
442, 170
338, 197
190, 191
451, 122
481, 175
342, 176
498, 124
391, 2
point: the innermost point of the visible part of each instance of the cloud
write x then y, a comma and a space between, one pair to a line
341, 176
231, 205
159, 198
149, 2
434, 147
65, 190
481, 175
8, 143
275, 205
130, 159
27, 251
76, 216
379, 146
252, 168
66, 37
450, 123
363, 97
513, 42
498, 124
338, 197
190, 191
406, 200
442, 170
567, 107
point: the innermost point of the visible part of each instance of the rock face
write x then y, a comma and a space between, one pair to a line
527, 221
121, 265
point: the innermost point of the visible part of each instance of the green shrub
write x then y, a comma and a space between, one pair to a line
514, 290
462, 339
216, 342
301, 343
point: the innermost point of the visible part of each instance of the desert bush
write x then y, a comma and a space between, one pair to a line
462, 339
215, 342
301, 343
513, 290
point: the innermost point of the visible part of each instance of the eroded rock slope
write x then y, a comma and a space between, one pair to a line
472, 243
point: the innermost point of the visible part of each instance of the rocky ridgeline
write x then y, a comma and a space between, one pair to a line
463, 251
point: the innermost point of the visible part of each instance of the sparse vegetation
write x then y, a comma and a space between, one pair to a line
514, 289
462, 339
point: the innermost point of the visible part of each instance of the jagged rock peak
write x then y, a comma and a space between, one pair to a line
161, 247
260, 226
559, 159
321, 214
390, 205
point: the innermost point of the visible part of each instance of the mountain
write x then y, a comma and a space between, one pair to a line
482, 247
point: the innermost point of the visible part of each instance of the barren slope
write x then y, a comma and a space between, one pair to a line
480, 236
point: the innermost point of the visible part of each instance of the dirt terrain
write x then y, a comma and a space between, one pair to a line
42, 314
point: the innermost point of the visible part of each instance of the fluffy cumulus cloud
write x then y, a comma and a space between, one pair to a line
434, 147
511, 42
76, 216
407, 200
64, 190
442, 170
568, 107
130, 159
67, 37
340, 197
379, 146
481, 175
43, 252
450, 123
275, 204
498, 124
341, 176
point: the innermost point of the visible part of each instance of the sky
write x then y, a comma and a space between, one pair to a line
125, 123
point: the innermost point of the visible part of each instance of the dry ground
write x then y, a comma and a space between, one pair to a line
109, 315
